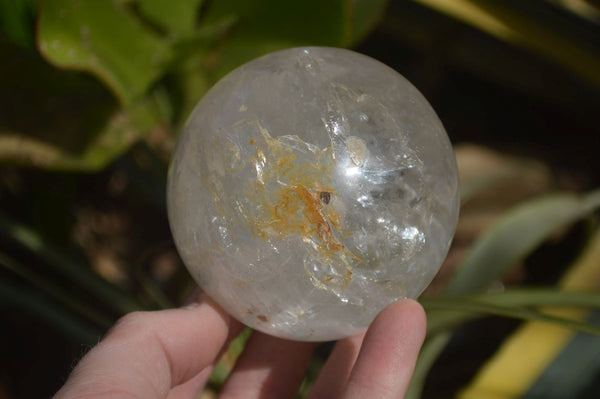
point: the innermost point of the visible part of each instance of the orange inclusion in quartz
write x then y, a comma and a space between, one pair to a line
299, 211
295, 207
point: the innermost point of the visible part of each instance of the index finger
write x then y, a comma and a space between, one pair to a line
148, 353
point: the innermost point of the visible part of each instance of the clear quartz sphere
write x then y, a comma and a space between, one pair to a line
310, 188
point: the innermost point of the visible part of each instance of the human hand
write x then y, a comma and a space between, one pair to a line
170, 354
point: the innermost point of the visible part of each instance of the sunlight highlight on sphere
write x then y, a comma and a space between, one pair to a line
311, 188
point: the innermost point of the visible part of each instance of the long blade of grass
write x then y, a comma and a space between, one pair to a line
69, 268
541, 297
38, 305
225, 365
515, 236
56, 292
442, 320
478, 307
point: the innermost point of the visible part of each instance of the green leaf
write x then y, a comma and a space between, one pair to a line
263, 26
233, 32
293, 21
189, 73
62, 120
175, 17
101, 38
515, 236
17, 21
225, 365
365, 14
123, 129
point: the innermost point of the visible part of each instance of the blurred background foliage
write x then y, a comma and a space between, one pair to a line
93, 93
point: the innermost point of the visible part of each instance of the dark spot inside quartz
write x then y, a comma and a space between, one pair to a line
262, 318
325, 197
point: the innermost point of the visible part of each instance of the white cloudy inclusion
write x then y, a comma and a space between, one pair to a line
310, 188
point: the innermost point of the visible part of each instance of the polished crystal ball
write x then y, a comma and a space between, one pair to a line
310, 188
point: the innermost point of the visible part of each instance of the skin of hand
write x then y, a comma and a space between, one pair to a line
171, 353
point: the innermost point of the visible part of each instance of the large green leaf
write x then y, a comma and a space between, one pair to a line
123, 129
364, 16
131, 46
102, 38
16, 21
174, 17
62, 120
233, 32
189, 75
268, 25
515, 236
